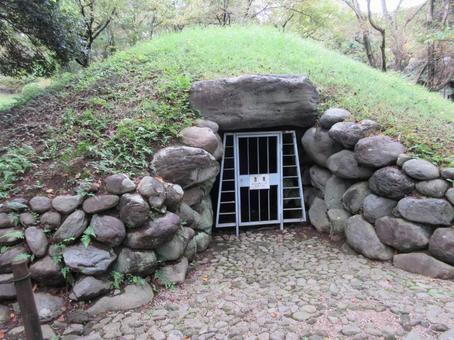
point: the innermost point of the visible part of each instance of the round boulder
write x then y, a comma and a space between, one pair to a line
174, 249
447, 173
378, 151
7, 256
185, 165
205, 123
426, 210
136, 262
134, 211
391, 182
334, 190
6, 221
155, 233
402, 235
199, 137
91, 260
344, 165
175, 273
421, 263
333, 116
349, 133
319, 145
174, 195
433, 188
421, 169
66, 203
50, 220
450, 195
318, 215
73, 226
119, 184
36, 240
362, 238
47, 272
319, 176
40, 204
338, 221
108, 230
354, 196
88, 287
375, 207
96, 204
441, 244
154, 190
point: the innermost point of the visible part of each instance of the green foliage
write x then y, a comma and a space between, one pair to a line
23, 256
162, 278
117, 279
12, 164
87, 236
14, 234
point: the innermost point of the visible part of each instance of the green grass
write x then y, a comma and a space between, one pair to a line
6, 100
115, 114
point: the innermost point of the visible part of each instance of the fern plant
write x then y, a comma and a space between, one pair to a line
87, 236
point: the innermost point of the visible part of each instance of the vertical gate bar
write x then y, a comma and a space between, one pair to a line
300, 185
258, 172
268, 171
248, 190
220, 183
237, 184
281, 190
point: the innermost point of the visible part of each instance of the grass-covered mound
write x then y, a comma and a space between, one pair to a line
114, 115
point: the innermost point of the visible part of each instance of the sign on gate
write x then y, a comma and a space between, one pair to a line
259, 182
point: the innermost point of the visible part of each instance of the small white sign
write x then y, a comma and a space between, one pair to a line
258, 182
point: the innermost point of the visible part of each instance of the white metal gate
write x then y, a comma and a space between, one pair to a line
260, 180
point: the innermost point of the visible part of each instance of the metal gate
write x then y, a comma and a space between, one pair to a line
260, 180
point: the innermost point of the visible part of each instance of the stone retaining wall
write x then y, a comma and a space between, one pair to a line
387, 205
149, 227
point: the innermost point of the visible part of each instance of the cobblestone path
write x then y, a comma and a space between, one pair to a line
294, 285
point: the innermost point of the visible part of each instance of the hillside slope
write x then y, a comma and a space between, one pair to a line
112, 116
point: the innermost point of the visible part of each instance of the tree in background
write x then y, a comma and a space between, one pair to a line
35, 36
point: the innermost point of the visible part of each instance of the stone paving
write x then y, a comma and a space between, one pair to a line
291, 285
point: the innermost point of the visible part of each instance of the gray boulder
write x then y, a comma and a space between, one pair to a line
205, 210
402, 235
89, 287
49, 306
193, 196
40, 204
448, 335
426, 210
50, 220
7, 290
108, 230
310, 193
353, 197
6, 221
136, 262
184, 165
175, 273
349, 133
378, 151
96, 204
155, 233
191, 249
203, 241
73, 226
208, 124
421, 263
91, 260
319, 176
441, 244
189, 216
344, 165
134, 211
154, 190
119, 184
403, 157
200, 137
36, 240
338, 221
319, 146
257, 101
47, 272
133, 296
333, 116
447, 173
362, 238
318, 215
391, 182
10, 236
66, 203
433, 188
375, 207
9, 255
334, 190
174, 195
175, 248
219, 152
27, 219
450, 195
421, 169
